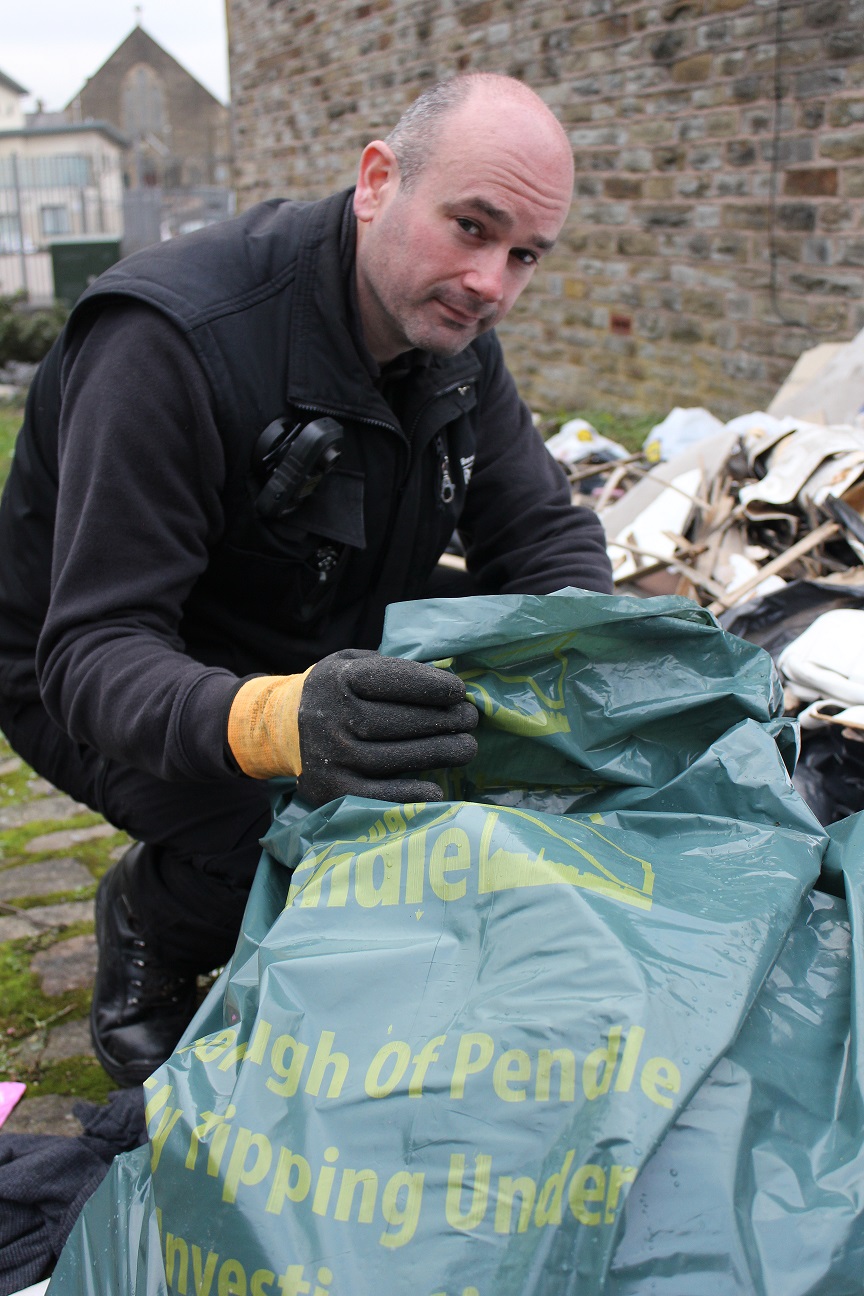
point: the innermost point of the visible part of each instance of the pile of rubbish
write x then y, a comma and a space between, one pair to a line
761, 520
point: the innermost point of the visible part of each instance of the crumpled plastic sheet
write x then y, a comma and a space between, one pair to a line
487, 1046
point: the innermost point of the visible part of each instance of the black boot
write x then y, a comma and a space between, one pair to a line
140, 1006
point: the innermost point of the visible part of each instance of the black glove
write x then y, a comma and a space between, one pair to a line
367, 721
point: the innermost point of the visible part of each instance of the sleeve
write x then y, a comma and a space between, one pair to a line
140, 471
521, 532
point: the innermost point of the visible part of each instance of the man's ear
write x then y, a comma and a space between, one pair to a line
377, 180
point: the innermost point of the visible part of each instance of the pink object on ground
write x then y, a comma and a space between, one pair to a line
10, 1092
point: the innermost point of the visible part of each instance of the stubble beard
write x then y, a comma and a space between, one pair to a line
444, 338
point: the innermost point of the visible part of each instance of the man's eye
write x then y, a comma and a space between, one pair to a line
469, 226
525, 255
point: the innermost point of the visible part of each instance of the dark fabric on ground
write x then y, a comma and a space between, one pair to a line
45, 1179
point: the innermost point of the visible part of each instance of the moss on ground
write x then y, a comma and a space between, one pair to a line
25, 1007
11, 415
27, 1015
81, 1076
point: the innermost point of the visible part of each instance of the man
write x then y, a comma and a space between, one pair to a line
190, 595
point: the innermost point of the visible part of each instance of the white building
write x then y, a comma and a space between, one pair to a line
11, 111
57, 182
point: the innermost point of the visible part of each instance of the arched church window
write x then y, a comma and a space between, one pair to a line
143, 103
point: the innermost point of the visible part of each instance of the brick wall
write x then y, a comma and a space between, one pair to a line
194, 145
718, 223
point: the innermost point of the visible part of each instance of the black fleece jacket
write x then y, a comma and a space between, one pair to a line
138, 585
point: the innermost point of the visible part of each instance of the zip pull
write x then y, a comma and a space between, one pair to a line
447, 490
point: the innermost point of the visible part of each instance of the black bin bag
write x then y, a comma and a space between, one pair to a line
584, 1026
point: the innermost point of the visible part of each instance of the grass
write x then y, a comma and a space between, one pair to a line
629, 431
11, 415
27, 1013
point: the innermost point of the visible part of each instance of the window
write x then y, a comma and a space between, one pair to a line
54, 220
64, 169
143, 103
10, 233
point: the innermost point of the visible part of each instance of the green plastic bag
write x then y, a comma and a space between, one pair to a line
459, 1042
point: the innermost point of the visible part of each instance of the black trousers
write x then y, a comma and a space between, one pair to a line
191, 885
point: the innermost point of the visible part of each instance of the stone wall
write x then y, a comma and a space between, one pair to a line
718, 224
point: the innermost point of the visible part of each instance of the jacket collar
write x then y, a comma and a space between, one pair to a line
336, 374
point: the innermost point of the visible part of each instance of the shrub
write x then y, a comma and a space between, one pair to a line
27, 334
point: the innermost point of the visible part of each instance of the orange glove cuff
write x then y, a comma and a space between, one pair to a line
263, 731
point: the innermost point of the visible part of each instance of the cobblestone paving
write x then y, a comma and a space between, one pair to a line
52, 853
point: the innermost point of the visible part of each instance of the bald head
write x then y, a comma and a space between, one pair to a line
455, 210
416, 137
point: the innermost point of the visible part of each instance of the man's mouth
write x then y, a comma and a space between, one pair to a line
465, 318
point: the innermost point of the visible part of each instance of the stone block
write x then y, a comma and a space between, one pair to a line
747, 89
843, 148
788, 151
696, 302
671, 217
652, 131
67, 838
43, 878
691, 128
636, 159
817, 251
853, 253
58, 806
817, 83
823, 13
690, 186
811, 115
829, 317
48, 1114
732, 186
797, 216
689, 71
706, 158
837, 216
684, 331
721, 124
846, 112
38, 787
745, 366
741, 153
66, 965
636, 243
852, 182
756, 121
670, 159
846, 45
666, 47
827, 286
622, 187
811, 182
745, 216
70, 1040
17, 927
660, 188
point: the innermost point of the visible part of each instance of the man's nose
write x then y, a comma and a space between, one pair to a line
485, 276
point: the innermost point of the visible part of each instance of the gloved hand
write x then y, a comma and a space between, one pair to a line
354, 723
367, 721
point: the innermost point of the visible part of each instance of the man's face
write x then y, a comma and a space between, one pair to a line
444, 260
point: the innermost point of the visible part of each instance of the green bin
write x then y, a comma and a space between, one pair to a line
76, 262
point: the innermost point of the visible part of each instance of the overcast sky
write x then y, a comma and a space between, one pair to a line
51, 46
